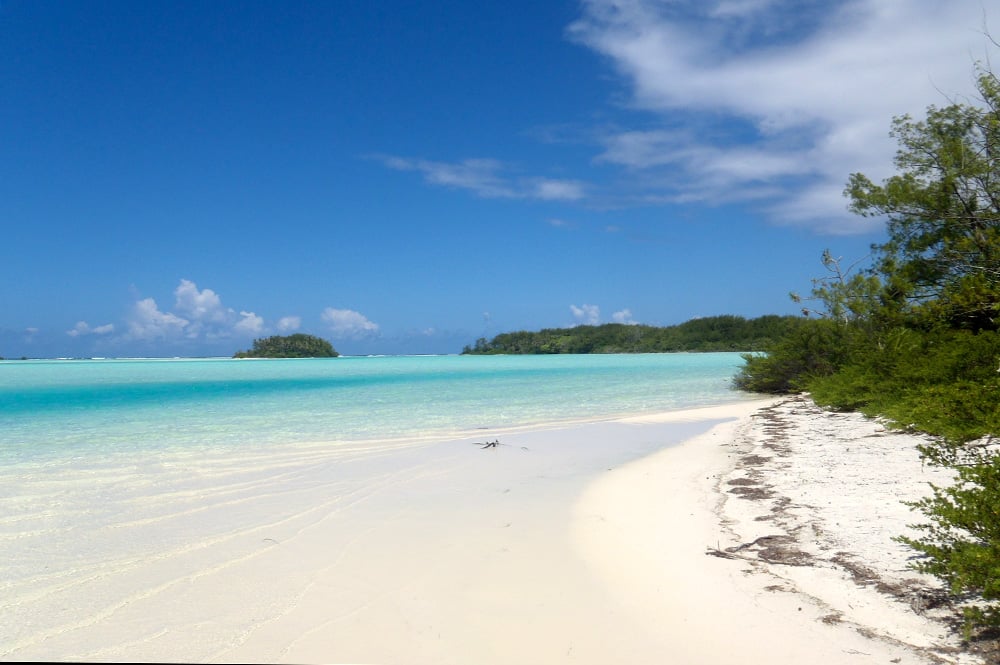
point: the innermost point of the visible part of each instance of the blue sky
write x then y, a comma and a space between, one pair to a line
178, 178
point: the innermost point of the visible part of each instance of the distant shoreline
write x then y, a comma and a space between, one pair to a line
366, 355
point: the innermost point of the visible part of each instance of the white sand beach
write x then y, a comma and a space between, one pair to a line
803, 505
576, 544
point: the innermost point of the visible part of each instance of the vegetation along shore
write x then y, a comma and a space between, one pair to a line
914, 336
712, 333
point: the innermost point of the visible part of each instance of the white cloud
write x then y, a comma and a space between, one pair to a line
589, 315
776, 101
557, 190
147, 322
348, 323
289, 323
203, 306
480, 176
203, 309
83, 328
199, 314
249, 324
623, 316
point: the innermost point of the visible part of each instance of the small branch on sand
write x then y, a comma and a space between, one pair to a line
493, 444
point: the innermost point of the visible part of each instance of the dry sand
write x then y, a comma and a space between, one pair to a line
798, 508
574, 544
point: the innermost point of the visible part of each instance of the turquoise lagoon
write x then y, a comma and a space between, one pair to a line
75, 408
132, 488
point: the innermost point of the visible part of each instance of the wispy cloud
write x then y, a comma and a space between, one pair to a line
557, 190
489, 178
769, 103
775, 101
83, 328
480, 176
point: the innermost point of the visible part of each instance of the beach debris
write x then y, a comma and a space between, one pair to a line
488, 444
493, 444
772, 549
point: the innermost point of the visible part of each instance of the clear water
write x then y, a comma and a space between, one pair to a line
147, 499
83, 408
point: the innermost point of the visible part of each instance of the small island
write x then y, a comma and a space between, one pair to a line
289, 346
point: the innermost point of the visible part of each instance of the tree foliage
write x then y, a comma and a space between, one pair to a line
847, 295
943, 209
289, 346
915, 336
713, 333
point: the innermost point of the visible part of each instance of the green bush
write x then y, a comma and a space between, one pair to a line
942, 382
811, 348
961, 543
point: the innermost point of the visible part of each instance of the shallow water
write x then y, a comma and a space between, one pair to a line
147, 499
93, 407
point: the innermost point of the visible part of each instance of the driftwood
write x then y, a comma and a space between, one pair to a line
493, 444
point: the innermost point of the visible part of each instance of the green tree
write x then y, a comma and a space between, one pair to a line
847, 294
942, 260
